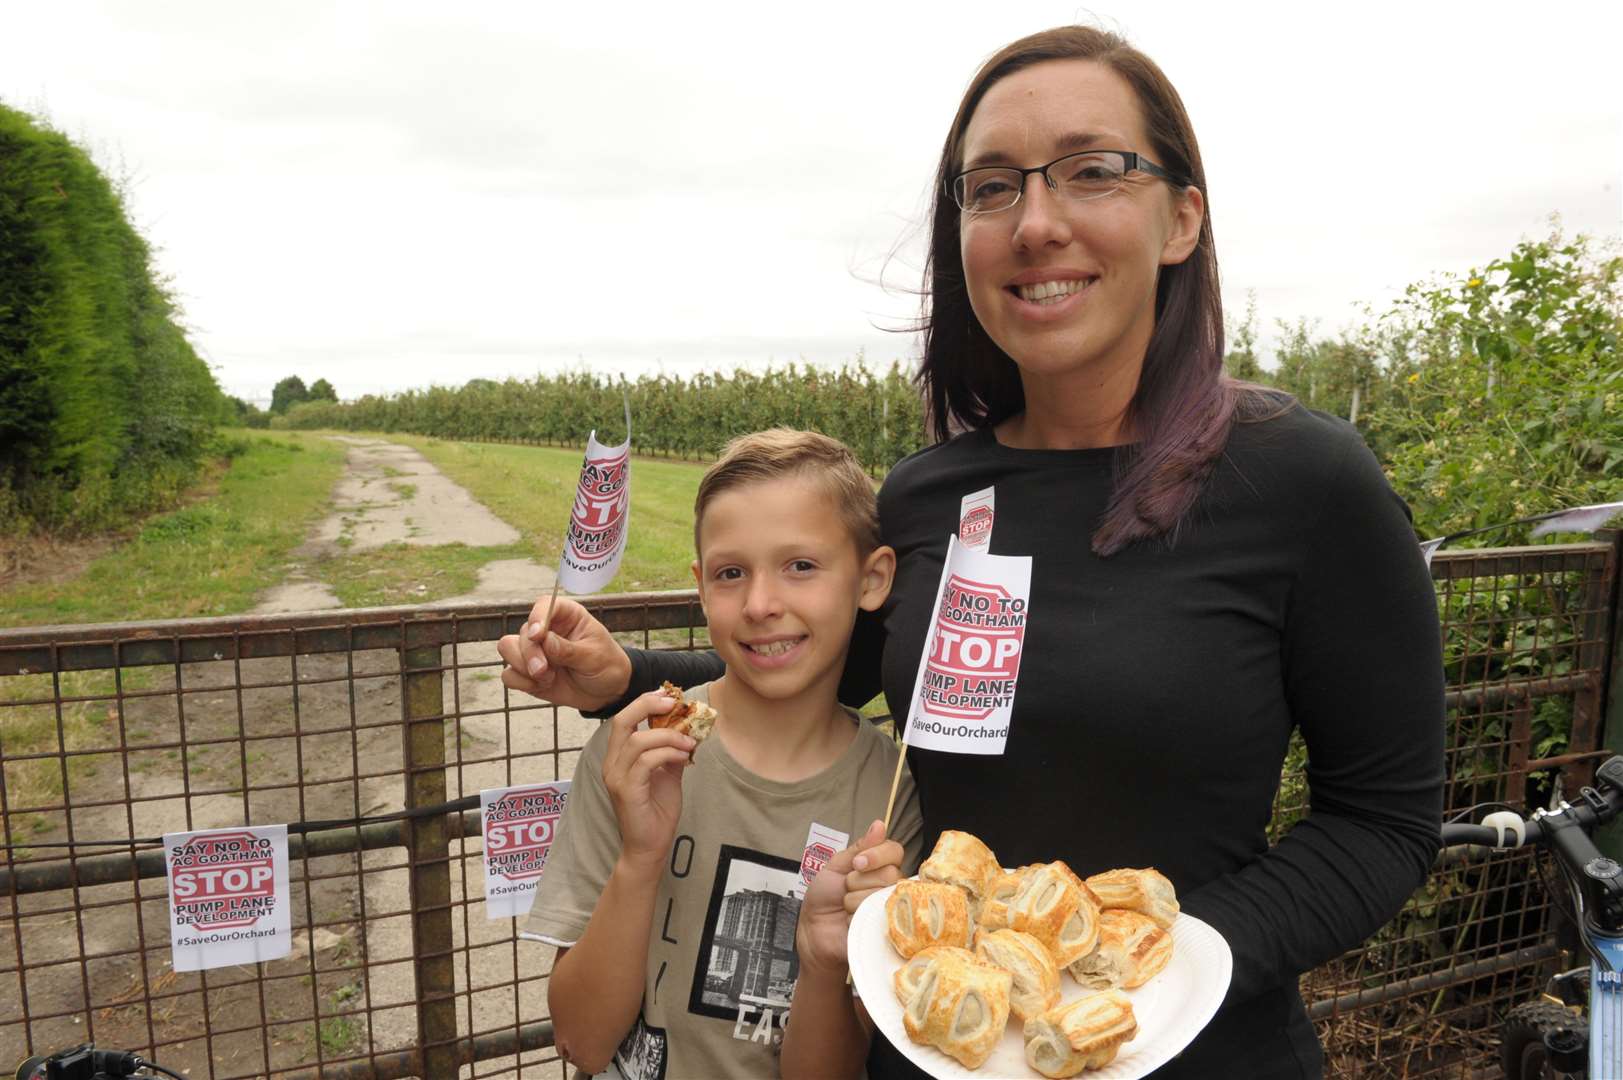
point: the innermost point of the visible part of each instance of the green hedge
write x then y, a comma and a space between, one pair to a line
104, 406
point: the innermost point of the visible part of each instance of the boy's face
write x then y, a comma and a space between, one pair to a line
781, 581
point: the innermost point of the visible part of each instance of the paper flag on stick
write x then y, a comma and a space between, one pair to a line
1429, 548
601, 516
1582, 519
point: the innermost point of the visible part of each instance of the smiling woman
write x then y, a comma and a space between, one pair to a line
1214, 567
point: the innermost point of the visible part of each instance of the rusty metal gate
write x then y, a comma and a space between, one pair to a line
372, 732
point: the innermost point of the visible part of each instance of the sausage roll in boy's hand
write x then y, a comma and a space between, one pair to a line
1145, 891
919, 914
1084, 1034
1132, 950
691, 718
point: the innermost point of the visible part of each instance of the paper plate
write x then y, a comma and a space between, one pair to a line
1171, 1008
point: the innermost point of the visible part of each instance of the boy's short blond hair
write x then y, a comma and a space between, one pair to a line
782, 452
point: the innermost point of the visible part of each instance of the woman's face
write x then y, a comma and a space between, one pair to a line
1104, 253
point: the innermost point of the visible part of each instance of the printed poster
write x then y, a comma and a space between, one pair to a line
964, 693
600, 517
228, 896
519, 824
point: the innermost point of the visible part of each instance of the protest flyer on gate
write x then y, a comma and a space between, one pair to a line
228, 896
519, 824
599, 518
964, 692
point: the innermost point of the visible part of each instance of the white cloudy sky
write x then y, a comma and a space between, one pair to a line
391, 195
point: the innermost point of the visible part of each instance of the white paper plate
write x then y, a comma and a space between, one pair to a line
1171, 1008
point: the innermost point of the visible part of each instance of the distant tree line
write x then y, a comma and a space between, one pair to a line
289, 392
877, 413
105, 408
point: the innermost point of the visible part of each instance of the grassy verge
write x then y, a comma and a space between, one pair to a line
533, 487
209, 558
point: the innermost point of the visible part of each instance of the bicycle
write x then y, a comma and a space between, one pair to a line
85, 1062
1548, 1039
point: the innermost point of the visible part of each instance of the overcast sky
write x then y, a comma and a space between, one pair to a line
393, 195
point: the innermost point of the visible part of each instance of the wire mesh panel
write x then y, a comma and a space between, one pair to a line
1525, 655
372, 733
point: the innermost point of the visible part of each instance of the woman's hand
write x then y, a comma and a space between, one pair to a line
834, 895
578, 664
643, 773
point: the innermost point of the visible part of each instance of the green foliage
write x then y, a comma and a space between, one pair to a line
105, 409
322, 390
1504, 388
287, 393
878, 415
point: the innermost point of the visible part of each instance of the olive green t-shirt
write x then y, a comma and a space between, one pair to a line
721, 958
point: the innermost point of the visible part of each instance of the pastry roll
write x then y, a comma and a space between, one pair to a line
959, 1008
1000, 891
1145, 891
1055, 907
1132, 950
906, 979
1083, 1034
1035, 989
961, 859
924, 913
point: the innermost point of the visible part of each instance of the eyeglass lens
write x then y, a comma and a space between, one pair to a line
1079, 176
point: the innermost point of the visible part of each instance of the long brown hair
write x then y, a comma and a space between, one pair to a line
1184, 405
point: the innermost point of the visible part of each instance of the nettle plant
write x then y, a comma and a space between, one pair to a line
1504, 392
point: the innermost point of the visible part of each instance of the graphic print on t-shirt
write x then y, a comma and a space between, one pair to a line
746, 965
642, 1053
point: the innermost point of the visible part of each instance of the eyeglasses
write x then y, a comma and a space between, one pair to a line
1092, 174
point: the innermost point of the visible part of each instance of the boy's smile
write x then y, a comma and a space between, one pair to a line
781, 581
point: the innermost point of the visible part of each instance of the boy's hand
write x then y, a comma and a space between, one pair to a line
835, 894
643, 772
579, 663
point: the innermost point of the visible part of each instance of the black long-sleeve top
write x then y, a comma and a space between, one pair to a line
1158, 690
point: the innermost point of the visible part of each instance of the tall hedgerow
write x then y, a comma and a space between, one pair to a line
105, 408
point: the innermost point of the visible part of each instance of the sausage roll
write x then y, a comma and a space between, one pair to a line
1056, 908
906, 979
959, 1008
1132, 950
1083, 1034
961, 859
1036, 978
1000, 891
924, 913
1145, 891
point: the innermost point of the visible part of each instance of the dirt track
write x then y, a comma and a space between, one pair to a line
346, 748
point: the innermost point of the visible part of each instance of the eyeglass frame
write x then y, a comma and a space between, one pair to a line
1131, 160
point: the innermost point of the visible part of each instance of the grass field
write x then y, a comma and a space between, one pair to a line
211, 556
235, 535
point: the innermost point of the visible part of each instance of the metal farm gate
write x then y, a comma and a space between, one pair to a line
372, 732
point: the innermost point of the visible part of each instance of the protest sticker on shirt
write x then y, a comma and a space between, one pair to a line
600, 517
964, 693
228, 896
975, 515
519, 824
822, 843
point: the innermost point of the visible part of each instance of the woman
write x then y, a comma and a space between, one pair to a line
1213, 565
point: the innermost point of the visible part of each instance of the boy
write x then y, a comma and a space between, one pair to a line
676, 887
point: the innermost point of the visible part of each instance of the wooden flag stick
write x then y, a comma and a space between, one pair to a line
895, 781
